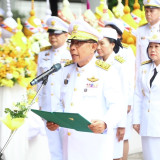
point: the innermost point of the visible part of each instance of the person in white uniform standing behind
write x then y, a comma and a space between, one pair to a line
49, 95
152, 13
146, 113
92, 89
107, 49
127, 54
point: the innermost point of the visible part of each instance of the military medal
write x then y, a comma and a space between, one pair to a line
66, 80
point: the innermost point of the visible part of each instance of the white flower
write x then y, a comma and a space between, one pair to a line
35, 47
24, 39
9, 76
18, 49
44, 43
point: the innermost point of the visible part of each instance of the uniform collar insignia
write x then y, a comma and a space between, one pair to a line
146, 62
68, 63
119, 59
93, 79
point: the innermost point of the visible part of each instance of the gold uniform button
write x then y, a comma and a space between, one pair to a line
52, 84
53, 74
78, 74
69, 133
75, 89
72, 104
52, 94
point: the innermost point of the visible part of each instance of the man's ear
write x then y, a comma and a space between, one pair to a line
94, 46
66, 35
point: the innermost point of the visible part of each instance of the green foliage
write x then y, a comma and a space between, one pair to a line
111, 4
17, 14
19, 111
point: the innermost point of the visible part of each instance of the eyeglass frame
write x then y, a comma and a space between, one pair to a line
79, 42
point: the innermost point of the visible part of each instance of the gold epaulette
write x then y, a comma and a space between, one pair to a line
103, 64
125, 45
98, 57
68, 63
146, 62
119, 59
45, 48
143, 24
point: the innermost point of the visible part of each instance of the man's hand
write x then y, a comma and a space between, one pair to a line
52, 126
120, 133
137, 128
97, 126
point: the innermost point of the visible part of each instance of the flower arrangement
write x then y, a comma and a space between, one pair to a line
16, 115
38, 41
14, 119
16, 66
17, 63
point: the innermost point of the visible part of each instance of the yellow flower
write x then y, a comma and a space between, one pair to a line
6, 82
15, 74
24, 82
13, 123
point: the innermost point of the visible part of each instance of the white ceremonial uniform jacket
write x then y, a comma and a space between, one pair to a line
96, 94
143, 33
127, 54
121, 69
50, 94
147, 101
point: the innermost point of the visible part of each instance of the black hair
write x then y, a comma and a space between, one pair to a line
116, 47
148, 53
116, 28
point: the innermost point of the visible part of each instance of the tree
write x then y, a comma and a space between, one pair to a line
111, 4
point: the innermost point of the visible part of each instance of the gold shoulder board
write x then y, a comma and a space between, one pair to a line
125, 45
143, 24
103, 64
68, 63
45, 48
146, 62
119, 59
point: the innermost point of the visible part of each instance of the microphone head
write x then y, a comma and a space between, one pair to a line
56, 66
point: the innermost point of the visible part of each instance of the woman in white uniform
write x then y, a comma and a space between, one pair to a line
146, 112
107, 49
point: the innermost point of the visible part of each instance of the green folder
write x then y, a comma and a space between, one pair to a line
66, 120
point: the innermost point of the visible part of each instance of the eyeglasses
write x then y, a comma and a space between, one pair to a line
78, 43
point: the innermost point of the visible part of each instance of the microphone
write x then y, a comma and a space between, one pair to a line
44, 75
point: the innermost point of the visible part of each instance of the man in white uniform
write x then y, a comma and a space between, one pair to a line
152, 12
49, 95
92, 89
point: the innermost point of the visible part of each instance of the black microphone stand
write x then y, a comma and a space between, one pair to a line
44, 82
